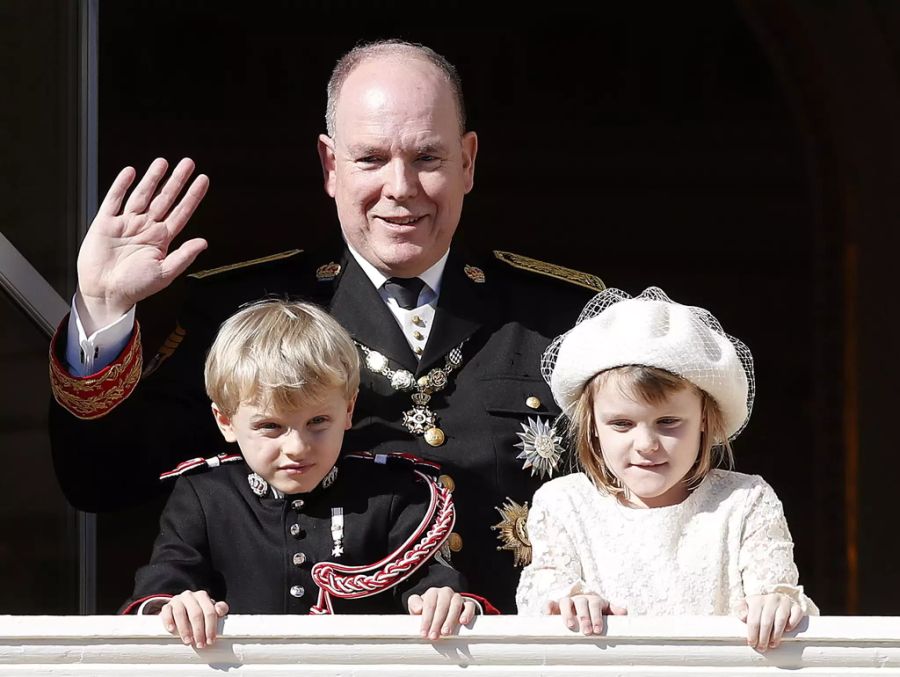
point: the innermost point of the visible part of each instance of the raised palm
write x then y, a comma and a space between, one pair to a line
125, 255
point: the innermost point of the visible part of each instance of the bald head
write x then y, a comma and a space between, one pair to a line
398, 52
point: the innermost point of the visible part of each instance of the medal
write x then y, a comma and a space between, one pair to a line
420, 419
541, 448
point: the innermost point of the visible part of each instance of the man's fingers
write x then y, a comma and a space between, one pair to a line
414, 605
617, 610
796, 616
113, 200
551, 608
143, 192
171, 189
222, 609
177, 261
183, 211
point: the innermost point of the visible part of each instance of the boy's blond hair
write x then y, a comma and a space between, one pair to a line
653, 386
279, 355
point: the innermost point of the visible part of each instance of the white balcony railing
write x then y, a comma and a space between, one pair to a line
389, 645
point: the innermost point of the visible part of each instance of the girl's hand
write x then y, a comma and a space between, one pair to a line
585, 611
442, 611
767, 617
194, 617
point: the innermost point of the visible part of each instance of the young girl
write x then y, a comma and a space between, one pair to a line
654, 392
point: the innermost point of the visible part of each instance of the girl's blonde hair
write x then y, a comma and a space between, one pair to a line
280, 355
653, 386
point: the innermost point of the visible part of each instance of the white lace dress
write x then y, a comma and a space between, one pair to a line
727, 540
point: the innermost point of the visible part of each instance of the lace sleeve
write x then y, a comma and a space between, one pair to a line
766, 558
555, 569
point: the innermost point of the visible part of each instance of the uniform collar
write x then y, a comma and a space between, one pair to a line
431, 277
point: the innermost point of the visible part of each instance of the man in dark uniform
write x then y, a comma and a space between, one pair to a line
451, 342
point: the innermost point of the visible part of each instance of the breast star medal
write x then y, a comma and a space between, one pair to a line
541, 447
514, 531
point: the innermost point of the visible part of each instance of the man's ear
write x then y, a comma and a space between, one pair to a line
469, 151
224, 423
351, 404
327, 159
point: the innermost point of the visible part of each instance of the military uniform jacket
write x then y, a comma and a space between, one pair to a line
503, 312
257, 553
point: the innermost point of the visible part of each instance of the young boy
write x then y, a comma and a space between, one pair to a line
291, 523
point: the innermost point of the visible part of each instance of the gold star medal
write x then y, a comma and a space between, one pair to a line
514, 531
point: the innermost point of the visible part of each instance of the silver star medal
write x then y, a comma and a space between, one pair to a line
540, 446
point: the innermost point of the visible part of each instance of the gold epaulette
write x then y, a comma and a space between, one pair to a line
551, 270
244, 264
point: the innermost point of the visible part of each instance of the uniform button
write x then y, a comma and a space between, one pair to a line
416, 320
299, 559
295, 530
418, 336
455, 542
448, 482
418, 350
533, 402
298, 504
297, 591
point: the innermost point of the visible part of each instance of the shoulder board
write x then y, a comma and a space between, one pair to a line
551, 270
398, 460
194, 463
245, 264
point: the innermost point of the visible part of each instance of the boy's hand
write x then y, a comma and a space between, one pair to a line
767, 617
194, 617
583, 611
442, 611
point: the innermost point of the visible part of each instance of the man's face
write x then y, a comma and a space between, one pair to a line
397, 166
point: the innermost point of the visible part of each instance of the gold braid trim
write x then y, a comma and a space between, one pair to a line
244, 264
551, 270
94, 396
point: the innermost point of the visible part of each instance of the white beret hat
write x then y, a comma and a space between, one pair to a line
616, 330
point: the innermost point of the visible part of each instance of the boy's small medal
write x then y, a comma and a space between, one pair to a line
337, 531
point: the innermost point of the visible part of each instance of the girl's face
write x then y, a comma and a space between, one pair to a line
650, 448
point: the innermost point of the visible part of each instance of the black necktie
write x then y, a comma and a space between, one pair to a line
405, 290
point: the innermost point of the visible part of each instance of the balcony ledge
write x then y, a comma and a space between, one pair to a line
390, 645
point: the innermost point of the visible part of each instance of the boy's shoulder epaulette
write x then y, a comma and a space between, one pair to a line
199, 462
527, 263
203, 274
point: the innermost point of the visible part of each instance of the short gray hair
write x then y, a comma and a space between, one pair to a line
392, 47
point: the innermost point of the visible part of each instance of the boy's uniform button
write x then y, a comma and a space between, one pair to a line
295, 530
455, 541
448, 482
298, 504
297, 591
299, 559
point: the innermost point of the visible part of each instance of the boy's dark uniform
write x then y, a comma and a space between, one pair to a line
257, 553
502, 309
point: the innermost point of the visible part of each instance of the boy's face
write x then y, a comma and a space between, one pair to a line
649, 447
291, 450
